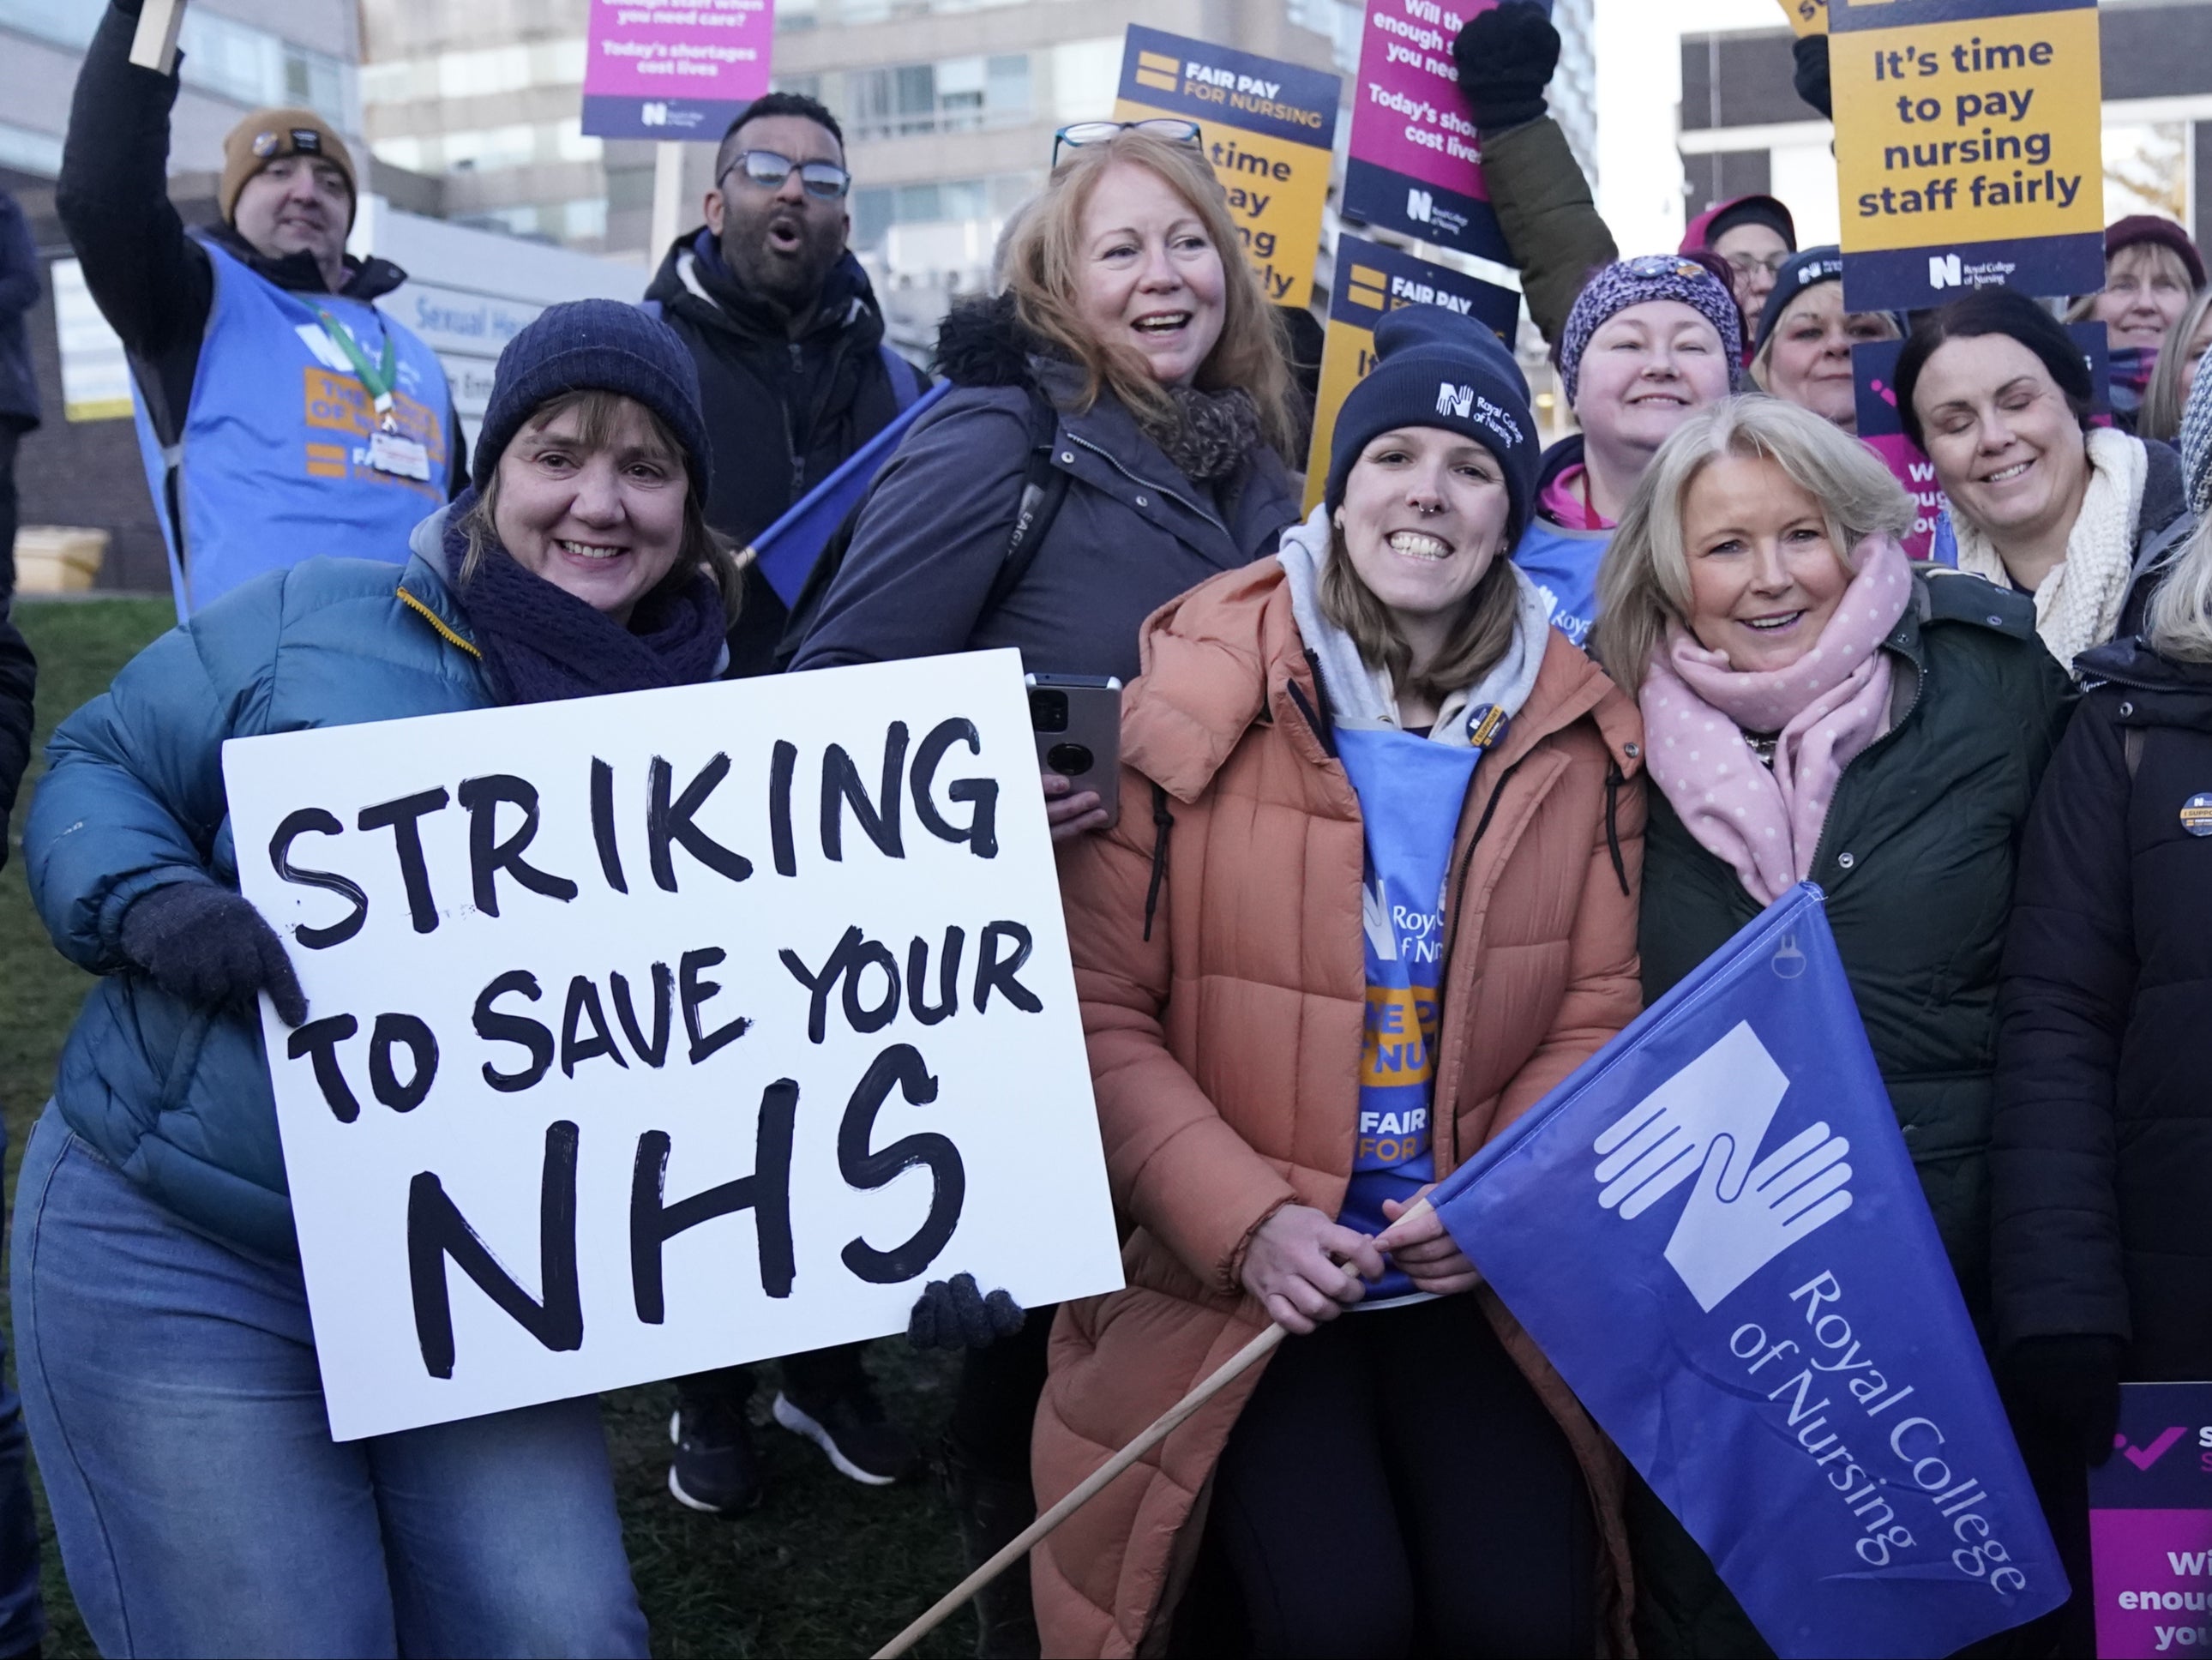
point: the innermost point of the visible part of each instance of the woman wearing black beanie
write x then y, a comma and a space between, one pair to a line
168, 1364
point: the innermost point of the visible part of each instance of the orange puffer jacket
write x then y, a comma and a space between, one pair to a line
1225, 1048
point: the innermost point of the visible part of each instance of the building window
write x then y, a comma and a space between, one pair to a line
486, 73
960, 95
877, 208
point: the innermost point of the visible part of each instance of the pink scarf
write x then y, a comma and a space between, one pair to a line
1826, 707
1562, 503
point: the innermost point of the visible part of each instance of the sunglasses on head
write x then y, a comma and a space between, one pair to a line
1669, 265
1174, 128
823, 180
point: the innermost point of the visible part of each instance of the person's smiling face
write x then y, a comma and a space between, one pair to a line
1809, 358
1765, 576
2008, 449
604, 520
1150, 281
1645, 368
1423, 517
296, 204
2146, 289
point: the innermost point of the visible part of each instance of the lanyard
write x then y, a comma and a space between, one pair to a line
377, 378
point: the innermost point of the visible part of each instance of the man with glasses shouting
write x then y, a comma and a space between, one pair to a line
794, 376
785, 328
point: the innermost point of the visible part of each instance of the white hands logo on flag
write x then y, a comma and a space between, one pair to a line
1707, 1122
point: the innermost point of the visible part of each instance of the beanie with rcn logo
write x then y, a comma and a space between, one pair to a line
1437, 368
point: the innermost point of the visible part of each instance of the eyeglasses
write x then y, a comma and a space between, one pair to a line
1667, 264
1075, 137
1744, 264
823, 180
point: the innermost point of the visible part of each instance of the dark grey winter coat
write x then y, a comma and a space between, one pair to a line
1132, 534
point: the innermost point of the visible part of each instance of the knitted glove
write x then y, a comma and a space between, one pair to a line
2072, 1382
1506, 60
955, 1314
1810, 79
210, 947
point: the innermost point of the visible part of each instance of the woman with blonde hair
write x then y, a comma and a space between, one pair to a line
1111, 440
2175, 376
1816, 710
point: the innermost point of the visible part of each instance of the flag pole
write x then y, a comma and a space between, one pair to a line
1162, 1426
154, 45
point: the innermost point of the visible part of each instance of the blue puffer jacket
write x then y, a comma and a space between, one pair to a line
175, 1097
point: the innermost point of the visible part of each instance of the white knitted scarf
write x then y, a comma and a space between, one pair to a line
2078, 605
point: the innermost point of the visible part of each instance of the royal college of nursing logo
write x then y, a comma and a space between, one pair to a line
1705, 1125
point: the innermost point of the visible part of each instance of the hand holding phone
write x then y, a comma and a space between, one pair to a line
1077, 720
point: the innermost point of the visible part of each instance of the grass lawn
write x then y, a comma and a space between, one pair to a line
824, 1568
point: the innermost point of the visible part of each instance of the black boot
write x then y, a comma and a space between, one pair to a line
991, 1510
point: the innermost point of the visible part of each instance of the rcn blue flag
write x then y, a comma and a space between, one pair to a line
1713, 1231
786, 549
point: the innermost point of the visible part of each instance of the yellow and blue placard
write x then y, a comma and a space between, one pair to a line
1268, 127
1969, 148
1372, 279
1808, 16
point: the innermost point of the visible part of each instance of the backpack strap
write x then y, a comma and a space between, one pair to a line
1044, 488
905, 379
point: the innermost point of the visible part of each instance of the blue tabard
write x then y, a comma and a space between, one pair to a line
272, 467
1563, 563
1410, 791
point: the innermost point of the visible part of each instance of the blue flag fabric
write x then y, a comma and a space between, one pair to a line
1714, 1232
787, 548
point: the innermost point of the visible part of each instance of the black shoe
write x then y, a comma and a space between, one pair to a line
991, 1511
850, 1426
716, 1468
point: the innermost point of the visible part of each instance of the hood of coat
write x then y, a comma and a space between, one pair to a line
693, 281
2132, 663
1229, 653
366, 279
980, 343
1361, 694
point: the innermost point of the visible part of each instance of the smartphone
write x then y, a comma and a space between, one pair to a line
1077, 721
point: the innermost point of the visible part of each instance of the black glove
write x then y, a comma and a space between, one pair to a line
1506, 60
1810, 79
210, 947
2070, 1383
954, 1315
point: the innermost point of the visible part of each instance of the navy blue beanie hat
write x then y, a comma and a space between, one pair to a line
599, 345
1437, 368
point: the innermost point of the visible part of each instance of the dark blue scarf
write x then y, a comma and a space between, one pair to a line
541, 644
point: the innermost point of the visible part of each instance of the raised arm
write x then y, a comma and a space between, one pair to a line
152, 283
1506, 58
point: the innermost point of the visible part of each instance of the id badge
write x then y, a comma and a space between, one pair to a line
400, 456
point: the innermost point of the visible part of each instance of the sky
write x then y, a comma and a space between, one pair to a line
1638, 49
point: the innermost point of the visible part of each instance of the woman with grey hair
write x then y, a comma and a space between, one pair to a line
1817, 709
2101, 1239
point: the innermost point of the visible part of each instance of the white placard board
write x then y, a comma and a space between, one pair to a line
655, 1033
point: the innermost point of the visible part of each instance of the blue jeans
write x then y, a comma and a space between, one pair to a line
22, 1611
201, 1504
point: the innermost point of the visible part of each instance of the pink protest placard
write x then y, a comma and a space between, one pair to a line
2150, 1525
674, 71
1414, 165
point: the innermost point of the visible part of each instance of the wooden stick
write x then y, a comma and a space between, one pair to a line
155, 46
1162, 1427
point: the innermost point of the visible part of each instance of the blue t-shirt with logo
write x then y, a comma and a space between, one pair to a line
1411, 790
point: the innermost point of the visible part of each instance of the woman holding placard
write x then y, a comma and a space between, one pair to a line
1382, 901
168, 1365
2043, 500
1818, 710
